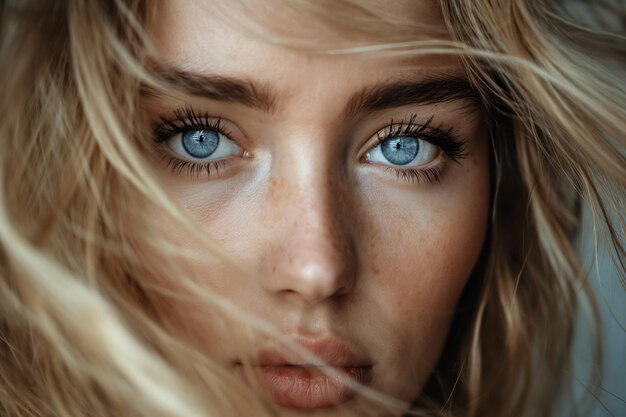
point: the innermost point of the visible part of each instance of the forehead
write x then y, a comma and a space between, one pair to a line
314, 23
287, 46
308, 25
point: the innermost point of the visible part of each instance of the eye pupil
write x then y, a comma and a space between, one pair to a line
200, 143
400, 150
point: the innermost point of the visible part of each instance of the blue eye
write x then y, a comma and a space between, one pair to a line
200, 143
400, 151
203, 144
403, 151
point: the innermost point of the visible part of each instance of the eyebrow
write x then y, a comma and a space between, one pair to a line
403, 93
217, 87
381, 96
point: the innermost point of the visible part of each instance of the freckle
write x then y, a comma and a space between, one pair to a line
272, 188
375, 270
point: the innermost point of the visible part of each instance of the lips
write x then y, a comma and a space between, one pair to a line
299, 382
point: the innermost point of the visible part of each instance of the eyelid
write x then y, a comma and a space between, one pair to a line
187, 118
440, 136
172, 127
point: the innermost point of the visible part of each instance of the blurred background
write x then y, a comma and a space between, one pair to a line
609, 397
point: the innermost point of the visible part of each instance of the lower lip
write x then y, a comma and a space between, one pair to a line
303, 387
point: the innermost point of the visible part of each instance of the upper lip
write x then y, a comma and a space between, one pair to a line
327, 351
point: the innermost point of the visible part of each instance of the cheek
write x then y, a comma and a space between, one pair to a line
181, 307
429, 238
423, 246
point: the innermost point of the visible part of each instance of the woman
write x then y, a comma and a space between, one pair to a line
291, 208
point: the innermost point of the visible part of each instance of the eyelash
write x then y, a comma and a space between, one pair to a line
188, 119
452, 147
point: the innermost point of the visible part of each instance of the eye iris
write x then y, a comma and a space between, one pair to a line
400, 150
200, 143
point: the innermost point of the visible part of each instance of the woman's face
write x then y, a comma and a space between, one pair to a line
356, 188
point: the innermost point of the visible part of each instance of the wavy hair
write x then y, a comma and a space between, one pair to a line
79, 332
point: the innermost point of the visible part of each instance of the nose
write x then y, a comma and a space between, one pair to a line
310, 256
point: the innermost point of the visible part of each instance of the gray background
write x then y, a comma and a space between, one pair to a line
608, 399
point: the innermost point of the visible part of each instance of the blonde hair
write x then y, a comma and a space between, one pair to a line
79, 335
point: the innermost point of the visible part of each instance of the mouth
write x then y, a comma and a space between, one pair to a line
295, 382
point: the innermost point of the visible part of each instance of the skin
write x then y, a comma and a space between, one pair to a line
340, 247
